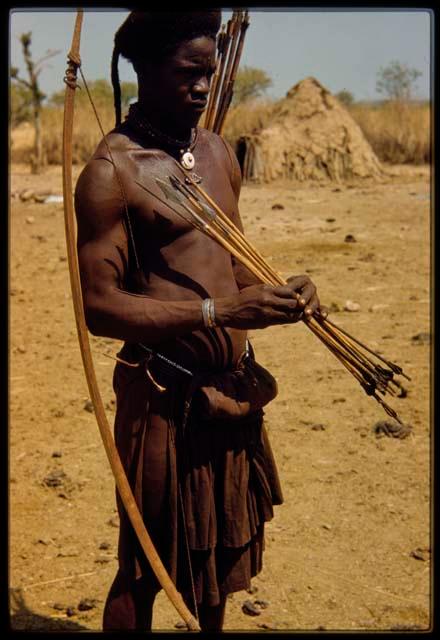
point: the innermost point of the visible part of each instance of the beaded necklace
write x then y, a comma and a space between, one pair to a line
185, 147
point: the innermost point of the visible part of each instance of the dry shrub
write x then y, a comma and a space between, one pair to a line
399, 132
22, 141
86, 132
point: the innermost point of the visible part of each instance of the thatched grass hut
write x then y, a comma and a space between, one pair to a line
311, 136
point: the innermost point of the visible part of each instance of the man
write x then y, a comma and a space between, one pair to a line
182, 307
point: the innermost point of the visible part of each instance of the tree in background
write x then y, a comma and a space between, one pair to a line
397, 81
19, 105
34, 93
250, 83
100, 90
345, 97
102, 94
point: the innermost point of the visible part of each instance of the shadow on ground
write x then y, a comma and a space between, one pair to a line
24, 619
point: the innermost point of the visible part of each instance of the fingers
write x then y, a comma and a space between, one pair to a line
286, 317
303, 286
308, 298
283, 291
279, 306
264, 305
323, 311
316, 309
281, 298
304, 291
298, 282
312, 305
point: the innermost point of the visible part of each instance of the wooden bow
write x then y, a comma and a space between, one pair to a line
120, 477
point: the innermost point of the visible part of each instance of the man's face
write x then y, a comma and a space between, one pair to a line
178, 86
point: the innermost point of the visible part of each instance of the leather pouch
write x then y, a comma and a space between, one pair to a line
235, 394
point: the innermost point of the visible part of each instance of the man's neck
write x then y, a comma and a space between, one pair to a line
163, 124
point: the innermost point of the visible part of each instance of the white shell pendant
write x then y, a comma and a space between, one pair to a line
187, 161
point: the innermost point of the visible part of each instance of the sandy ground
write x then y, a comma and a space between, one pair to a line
350, 547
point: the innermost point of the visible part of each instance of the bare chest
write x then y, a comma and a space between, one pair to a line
170, 248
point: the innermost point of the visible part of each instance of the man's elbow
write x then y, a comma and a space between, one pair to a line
93, 323
96, 317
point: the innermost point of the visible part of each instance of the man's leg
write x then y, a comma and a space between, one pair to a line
129, 605
212, 618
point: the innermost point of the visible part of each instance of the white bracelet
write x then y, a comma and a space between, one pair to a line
208, 312
211, 310
205, 312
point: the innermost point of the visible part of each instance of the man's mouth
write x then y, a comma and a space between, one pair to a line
199, 105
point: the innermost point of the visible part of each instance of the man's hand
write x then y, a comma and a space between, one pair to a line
262, 305
304, 291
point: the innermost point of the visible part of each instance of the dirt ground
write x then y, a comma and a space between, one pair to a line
350, 547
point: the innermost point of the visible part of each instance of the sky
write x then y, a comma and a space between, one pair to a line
343, 49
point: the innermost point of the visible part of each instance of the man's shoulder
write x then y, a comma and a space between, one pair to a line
211, 138
114, 141
107, 153
218, 146
99, 168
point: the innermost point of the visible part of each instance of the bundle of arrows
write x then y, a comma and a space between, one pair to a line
374, 373
230, 44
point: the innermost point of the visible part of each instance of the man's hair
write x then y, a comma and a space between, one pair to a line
153, 35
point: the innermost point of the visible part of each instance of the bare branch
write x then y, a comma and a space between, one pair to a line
24, 83
36, 95
49, 54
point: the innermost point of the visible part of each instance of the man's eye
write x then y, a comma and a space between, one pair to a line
198, 72
190, 73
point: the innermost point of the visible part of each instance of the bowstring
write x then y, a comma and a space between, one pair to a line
172, 428
118, 177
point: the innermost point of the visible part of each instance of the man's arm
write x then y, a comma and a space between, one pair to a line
103, 258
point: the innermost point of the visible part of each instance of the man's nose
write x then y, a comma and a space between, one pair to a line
201, 87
